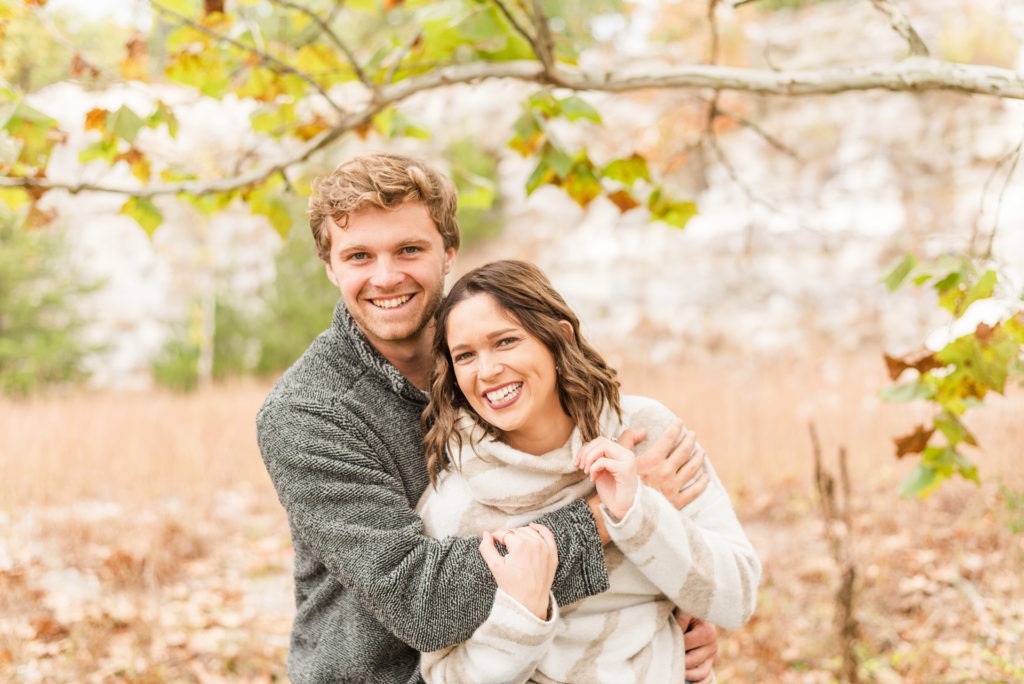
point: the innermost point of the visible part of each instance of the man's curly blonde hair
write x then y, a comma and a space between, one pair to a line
384, 181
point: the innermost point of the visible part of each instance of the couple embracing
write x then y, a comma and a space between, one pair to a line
470, 497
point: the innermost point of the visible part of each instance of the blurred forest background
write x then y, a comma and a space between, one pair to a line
796, 222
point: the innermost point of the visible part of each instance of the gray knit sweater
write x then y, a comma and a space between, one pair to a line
340, 438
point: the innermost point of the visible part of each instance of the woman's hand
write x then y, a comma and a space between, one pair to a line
527, 570
612, 467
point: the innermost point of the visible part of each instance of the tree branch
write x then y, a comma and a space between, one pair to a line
910, 75
546, 40
263, 56
899, 22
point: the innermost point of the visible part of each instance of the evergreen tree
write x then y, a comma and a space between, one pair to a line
40, 322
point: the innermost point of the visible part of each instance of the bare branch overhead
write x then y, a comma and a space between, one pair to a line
911, 75
902, 26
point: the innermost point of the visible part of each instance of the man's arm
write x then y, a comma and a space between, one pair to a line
355, 517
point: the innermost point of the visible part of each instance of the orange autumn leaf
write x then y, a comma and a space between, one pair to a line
96, 119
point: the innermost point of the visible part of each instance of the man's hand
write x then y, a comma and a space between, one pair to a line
669, 467
701, 648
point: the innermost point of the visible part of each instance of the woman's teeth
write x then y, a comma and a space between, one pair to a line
503, 393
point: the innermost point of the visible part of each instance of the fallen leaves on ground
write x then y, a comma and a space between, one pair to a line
94, 592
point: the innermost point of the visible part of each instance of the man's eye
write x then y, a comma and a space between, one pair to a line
358, 256
411, 250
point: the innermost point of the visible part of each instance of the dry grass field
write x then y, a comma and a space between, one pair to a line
141, 540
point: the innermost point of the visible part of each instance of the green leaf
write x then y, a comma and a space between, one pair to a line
163, 115
907, 391
582, 185
14, 198
921, 481
627, 171
105, 150
672, 212
144, 212
33, 129
269, 201
574, 108
980, 290
475, 192
954, 429
393, 124
950, 290
558, 159
542, 173
125, 124
900, 272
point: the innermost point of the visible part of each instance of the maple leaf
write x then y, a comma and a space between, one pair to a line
913, 443
922, 363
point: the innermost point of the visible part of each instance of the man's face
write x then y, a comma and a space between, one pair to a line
390, 268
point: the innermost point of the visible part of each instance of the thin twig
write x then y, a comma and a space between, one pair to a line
1002, 196
66, 43
763, 134
520, 29
334, 38
263, 56
1014, 155
901, 25
401, 54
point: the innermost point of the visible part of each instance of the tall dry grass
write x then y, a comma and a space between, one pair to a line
752, 415
132, 448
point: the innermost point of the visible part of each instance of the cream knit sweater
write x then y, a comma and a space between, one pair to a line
698, 559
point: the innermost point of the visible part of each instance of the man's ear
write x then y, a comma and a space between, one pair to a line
566, 327
330, 274
449, 259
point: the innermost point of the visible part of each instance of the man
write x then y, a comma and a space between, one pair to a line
341, 439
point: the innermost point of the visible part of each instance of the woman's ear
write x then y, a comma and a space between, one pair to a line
566, 327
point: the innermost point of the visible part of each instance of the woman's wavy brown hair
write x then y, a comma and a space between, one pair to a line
586, 383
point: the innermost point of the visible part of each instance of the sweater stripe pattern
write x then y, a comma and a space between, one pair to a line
660, 558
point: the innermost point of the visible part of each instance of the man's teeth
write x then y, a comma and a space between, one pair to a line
391, 303
504, 392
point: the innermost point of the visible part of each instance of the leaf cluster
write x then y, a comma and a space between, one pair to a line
956, 377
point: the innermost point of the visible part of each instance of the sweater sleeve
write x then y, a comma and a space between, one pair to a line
506, 649
353, 515
699, 557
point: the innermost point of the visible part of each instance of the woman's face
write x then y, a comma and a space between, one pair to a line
507, 374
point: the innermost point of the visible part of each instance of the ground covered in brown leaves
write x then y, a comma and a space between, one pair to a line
143, 543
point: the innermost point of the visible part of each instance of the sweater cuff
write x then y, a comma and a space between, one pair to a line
512, 614
581, 568
634, 520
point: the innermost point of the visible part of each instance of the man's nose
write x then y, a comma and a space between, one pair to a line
386, 274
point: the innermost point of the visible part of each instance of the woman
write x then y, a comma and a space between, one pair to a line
521, 421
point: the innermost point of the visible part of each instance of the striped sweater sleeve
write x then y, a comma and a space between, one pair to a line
505, 649
698, 557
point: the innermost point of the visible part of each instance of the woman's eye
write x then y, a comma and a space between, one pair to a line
506, 341
464, 356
